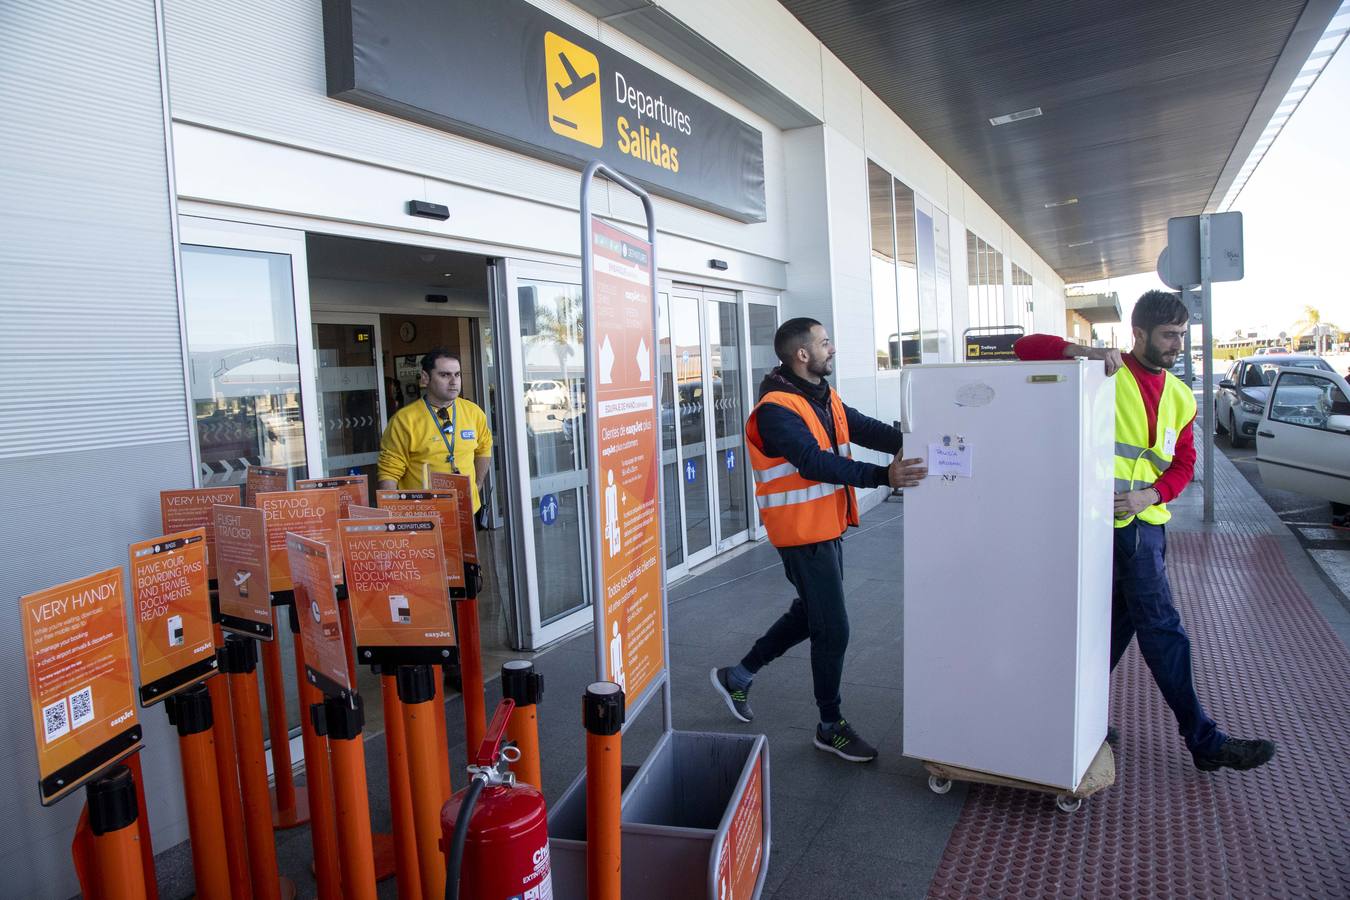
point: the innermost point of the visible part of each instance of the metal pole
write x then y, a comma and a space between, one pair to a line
1207, 337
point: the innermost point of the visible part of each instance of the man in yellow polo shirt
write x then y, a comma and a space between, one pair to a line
442, 432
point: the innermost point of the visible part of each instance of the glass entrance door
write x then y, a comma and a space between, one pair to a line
351, 403
711, 391
547, 365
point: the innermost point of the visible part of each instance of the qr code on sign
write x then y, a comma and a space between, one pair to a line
55, 719
81, 707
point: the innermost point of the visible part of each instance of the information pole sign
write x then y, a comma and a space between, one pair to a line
624, 454
188, 509
79, 678
312, 514
245, 584
468, 538
352, 489
396, 588
311, 577
264, 479
175, 640
444, 506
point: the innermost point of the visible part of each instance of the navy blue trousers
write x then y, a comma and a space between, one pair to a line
818, 613
1141, 606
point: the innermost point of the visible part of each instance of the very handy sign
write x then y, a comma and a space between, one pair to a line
508, 73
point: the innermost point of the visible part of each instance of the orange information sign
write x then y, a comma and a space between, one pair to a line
316, 607
366, 512
79, 679
396, 588
444, 505
175, 640
188, 509
740, 855
313, 514
452, 481
245, 593
353, 488
261, 480
625, 494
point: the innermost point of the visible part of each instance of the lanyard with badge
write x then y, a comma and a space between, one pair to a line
449, 442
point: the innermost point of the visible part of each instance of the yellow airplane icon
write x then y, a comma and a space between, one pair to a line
573, 76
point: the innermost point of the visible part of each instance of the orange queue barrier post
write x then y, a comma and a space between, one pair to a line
341, 721
386, 862
603, 712
227, 774
417, 694
400, 790
133, 763
107, 845
471, 672
523, 685
190, 712
239, 664
442, 736
318, 780
289, 809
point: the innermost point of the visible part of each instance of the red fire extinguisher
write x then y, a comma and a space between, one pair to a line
495, 831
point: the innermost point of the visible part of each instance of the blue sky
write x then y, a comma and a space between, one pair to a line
1294, 233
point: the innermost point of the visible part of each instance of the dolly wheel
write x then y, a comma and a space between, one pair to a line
1068, 803
939, 785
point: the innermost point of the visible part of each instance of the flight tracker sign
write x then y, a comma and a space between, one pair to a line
510, 74
625, 504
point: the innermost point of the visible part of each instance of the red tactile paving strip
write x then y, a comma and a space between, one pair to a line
1267, 664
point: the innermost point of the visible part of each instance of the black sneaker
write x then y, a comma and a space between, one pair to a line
843, 741
1237, 753
737, 701
1113, 736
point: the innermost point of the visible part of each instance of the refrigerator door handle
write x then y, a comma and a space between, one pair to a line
906, 401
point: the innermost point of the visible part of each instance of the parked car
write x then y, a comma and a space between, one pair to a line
1272, 351
1242, 393
546, 392
1303, 438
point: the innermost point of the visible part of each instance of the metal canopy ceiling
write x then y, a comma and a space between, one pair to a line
1149, 108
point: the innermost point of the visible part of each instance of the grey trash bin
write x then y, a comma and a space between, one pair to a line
677, 812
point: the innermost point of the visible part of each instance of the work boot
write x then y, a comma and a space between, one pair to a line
738, 701
841, 740
1236, 753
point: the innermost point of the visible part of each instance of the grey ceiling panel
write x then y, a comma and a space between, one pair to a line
1144, 104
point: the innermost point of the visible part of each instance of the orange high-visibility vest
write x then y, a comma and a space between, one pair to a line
796, 510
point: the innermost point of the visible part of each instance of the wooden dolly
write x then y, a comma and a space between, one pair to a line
1101, 773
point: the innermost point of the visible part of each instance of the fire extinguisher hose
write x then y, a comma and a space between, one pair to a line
456, 857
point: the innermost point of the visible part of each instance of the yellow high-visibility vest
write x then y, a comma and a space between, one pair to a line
1137, 464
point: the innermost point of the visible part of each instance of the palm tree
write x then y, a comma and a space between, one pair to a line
560, 326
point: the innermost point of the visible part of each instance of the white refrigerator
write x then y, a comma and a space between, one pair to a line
1007, 566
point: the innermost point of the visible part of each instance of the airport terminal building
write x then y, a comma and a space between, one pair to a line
233, 229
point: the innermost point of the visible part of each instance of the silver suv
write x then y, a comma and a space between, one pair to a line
1243, 392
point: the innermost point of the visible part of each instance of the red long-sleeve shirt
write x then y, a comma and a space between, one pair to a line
1041, 347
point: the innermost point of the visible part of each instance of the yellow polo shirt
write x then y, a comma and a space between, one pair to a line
412, 444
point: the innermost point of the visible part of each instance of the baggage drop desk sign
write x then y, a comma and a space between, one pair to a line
352, 489
739, 856
630, 636
312, 514
445, 506
79, 679
245, 586
468, 538
264, 479
396, 590
175, 640
188, 509
316, 607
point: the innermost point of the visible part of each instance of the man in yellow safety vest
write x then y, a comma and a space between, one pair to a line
1154, 459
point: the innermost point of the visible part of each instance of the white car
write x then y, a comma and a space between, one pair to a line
1241, 397
1303, 438
552, 394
